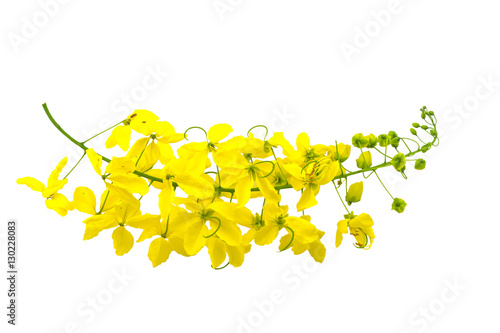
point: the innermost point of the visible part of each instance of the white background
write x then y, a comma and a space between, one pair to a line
278, 63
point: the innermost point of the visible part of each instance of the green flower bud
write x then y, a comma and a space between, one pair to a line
424, 127
423, 115
384, 140
354, 193
372, 141
420, 164
395, 142
393, 134
343, 154
416, 125
431, 113
426, 147
413, 131
364, 160
433, 132
399, 205
399, 161
359, 140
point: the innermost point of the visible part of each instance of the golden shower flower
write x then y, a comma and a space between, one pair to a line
54, 200
360, 227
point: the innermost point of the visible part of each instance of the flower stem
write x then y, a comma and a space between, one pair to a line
81, 158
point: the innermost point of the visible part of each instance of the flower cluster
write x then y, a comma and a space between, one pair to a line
203, 188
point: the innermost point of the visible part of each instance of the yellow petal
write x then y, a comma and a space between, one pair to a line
226, 209
303, 143
341, 229
166, 153
108, 200
32, 183
229, 232
54, 187
284, 241
217, 251
84, 200
124, 211
95, 159
195, 185
54, 175
60, 204
317, 250
97, 223
143, 121
120, 166
194, 240
145, 221
148, 233
159, 251
304, 231
236, 255
279, 140
131, 183
307, 199
166, 198
122, 194
137, 148
267, 190
266, 235
123, 241
119, 136
218, 132
243, 189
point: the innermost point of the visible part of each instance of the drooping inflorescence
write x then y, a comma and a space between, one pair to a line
203, 189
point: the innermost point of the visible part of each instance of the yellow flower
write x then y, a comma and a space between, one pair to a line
220, 216
275, 218
54, 200
84, 200
122, 215
120, 172
305, 151
316, 249
310, 178
140, 121
218, 249
251, 146
156, 147
188, 175
360, 227
244, 174
171, 236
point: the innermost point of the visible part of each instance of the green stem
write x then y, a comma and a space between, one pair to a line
383, 184
341, 200
81, 158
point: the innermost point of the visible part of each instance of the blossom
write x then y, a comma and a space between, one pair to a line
360, 227
54, 200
